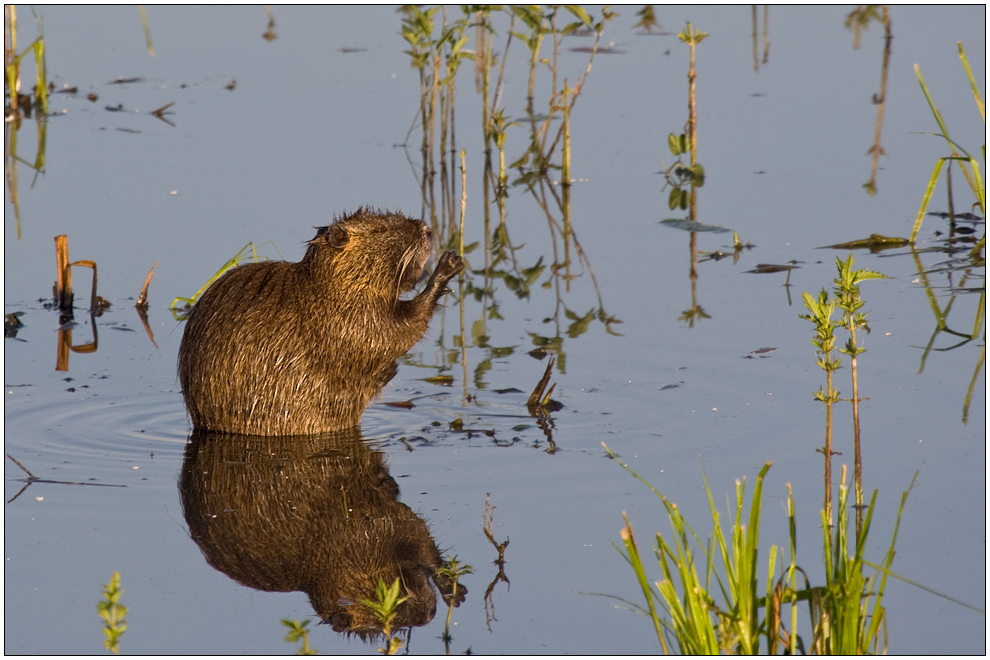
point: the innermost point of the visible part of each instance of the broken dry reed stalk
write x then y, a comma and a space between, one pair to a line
537, 402
63, 284
142, 301
62, 289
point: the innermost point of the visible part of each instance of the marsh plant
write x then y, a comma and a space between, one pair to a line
112, 613
385, 606
692, 175
19, 105
848, 301
453, 570
740, 614
438, 42
974, 265
299, 632
966, 163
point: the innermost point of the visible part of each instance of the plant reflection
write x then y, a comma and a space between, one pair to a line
437, 59
858, 20
318, 514
970, 268
18, 106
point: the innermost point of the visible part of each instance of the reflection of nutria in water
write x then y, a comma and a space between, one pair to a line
317, 514
281, 348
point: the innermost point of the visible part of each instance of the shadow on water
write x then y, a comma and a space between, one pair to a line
318, 514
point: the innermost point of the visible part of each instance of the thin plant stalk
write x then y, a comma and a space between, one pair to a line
848, 299
460, 277
821, 309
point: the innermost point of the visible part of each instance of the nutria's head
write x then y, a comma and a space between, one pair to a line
380, 253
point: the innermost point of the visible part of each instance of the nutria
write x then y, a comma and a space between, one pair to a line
318, 514
281, 348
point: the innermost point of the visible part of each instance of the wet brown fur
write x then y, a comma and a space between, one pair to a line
281, 348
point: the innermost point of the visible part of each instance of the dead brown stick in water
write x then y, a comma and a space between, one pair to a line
142, 306
160, 113
62, 290
142, 301
63, 284
31, 479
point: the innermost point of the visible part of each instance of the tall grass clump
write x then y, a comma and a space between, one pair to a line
742, 614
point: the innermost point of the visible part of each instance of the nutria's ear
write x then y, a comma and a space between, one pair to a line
336, 236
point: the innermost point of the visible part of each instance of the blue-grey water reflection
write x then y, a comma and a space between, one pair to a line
311, 128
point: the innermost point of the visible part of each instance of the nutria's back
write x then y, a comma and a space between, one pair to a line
281, 348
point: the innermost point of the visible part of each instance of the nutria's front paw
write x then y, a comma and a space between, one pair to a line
448, 265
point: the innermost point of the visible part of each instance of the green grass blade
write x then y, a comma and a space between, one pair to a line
972, 82
931, 103
634, 559
925, 199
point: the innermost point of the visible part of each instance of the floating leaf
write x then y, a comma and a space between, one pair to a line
691, 225
875, 243
772, 268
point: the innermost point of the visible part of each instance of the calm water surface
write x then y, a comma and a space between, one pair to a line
310, 130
